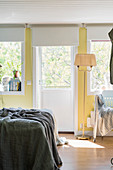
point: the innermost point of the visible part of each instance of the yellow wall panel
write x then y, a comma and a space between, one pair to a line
89, 100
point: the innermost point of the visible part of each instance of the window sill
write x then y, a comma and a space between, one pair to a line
90, 93
11, 93
56, 89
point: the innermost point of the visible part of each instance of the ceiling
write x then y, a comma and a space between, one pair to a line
56, 11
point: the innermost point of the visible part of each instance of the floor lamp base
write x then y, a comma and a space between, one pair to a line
81, 137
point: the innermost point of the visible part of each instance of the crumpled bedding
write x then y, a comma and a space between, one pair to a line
105, 115
105, 120
27, 140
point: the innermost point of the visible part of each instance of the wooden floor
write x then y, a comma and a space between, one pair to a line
86, 155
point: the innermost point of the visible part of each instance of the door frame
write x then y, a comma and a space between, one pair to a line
74, 85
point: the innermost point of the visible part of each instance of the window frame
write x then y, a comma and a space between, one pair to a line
22, 92
89, 92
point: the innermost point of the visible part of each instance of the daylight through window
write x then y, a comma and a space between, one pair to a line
10, 72
100, 75
56, 67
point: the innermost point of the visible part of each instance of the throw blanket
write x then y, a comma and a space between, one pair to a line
27, 140
105, 115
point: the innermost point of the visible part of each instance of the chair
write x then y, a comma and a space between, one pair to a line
108, 99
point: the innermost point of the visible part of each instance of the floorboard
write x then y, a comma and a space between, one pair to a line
86, 155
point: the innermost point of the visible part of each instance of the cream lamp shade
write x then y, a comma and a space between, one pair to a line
0, 65
85, 60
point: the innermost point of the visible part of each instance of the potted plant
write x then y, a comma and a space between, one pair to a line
16, 73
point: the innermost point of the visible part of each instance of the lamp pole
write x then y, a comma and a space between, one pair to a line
84, 106
84, 60
83, 136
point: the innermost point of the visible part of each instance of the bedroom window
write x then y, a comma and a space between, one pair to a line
11, 70
56, 66
99, 78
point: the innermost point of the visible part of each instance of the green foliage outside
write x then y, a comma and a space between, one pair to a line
56, 66
100, 76
10, 58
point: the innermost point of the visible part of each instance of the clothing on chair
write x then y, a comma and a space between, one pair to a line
111, 59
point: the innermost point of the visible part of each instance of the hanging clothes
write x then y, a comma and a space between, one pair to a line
111, 59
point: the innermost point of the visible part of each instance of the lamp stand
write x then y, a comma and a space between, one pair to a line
83, 137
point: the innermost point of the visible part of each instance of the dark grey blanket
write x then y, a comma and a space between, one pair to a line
27, 140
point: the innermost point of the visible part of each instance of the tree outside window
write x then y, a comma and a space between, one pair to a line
10, 58
100, 74
56, 66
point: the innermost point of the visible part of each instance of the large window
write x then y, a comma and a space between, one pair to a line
100, 75
56, 66
11, 70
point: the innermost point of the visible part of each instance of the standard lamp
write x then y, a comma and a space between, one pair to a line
84, 60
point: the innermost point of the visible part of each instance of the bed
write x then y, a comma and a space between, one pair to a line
27, 140
103, 113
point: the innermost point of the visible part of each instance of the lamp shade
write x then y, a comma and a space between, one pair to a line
85, 60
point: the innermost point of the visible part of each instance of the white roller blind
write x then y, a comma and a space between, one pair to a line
11, 33
98, 32
55, 35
